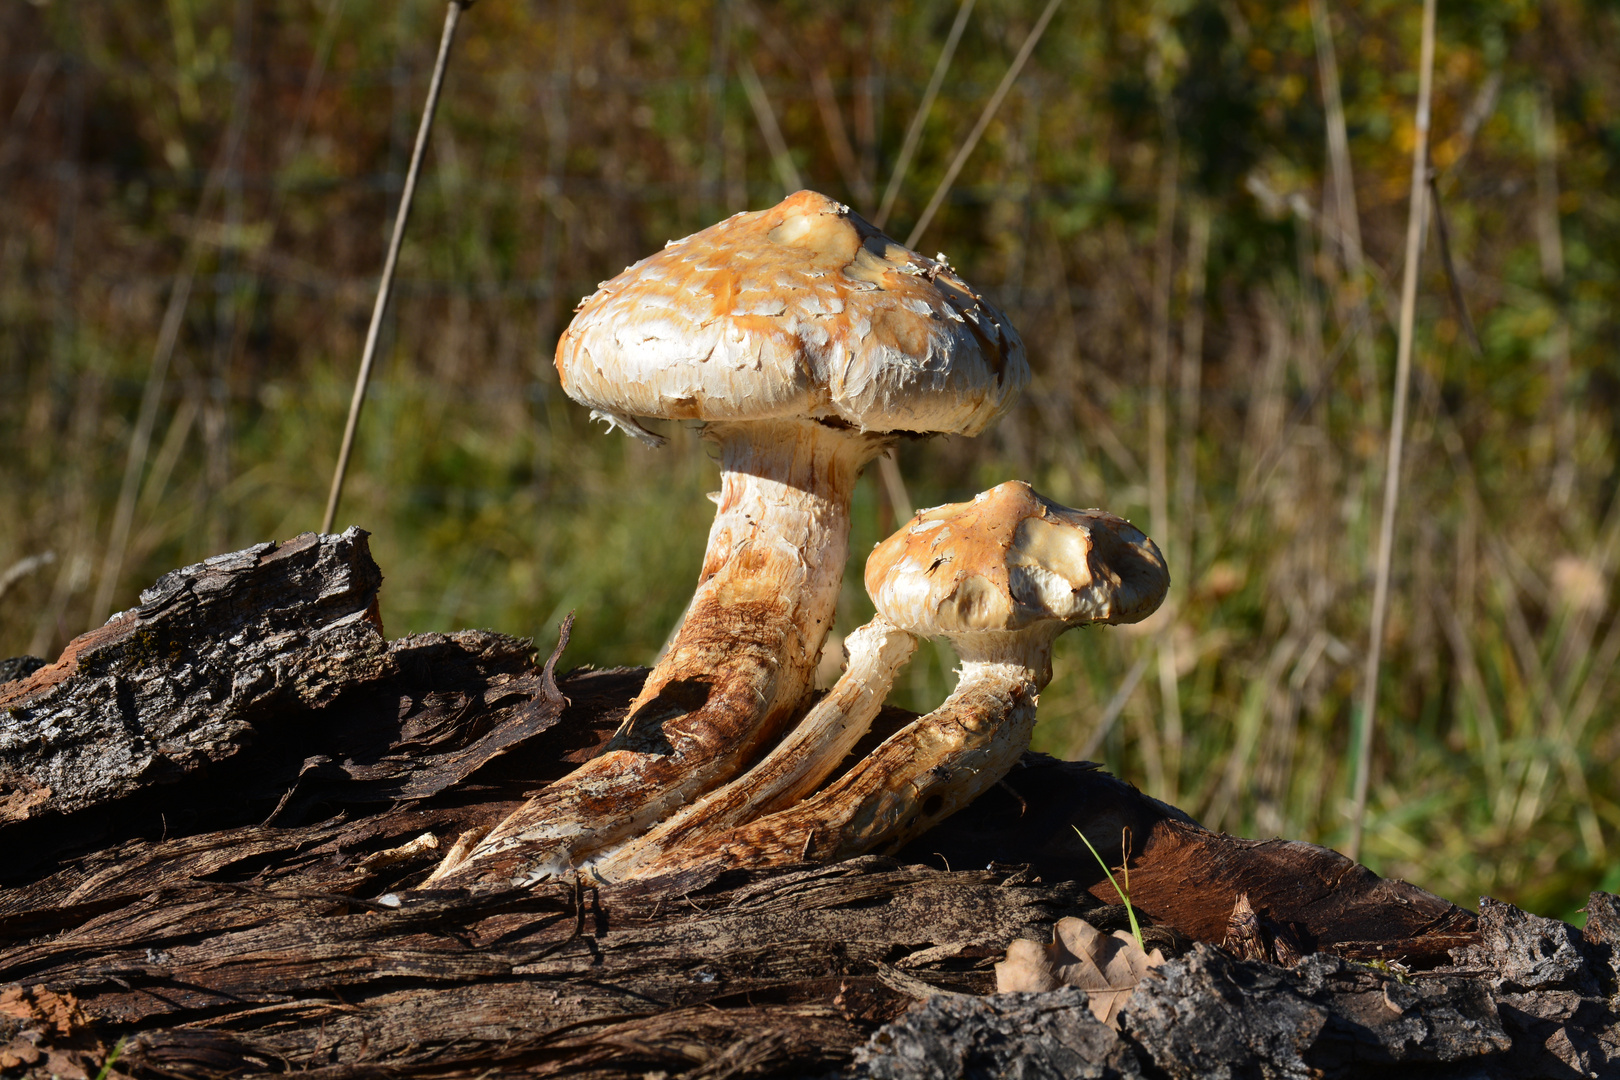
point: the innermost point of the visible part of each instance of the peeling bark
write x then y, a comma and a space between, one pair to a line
178, 682
218, 942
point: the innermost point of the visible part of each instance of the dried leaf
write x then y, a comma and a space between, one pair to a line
1027, 969
1107, 967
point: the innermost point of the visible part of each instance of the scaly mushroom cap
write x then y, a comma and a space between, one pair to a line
802, 310
1011, 559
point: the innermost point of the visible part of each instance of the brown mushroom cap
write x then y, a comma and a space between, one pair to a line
802, 310
1012, 559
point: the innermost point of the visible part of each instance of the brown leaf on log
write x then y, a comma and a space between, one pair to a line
1107, 967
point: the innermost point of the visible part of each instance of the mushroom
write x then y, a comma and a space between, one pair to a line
999, 577
796, 766
806, 340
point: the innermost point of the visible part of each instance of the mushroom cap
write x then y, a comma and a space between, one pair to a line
1011, 559
802, 310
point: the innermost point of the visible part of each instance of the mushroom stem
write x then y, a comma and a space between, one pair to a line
919, 776
740, 664
810, 753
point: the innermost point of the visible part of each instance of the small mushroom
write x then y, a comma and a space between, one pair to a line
999, 577
806, 340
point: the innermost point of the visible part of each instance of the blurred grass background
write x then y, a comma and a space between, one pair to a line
195, 197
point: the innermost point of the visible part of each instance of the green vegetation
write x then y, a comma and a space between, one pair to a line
112, 1059
1124, 894
1208, 315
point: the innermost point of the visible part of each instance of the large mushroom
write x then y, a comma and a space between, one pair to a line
1000, 578
806, 340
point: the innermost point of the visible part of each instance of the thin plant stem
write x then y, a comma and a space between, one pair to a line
832, 119
985, 117
1124, 894
157, 374
914, 132
22, 568
894, 487
1397, 433
1115, 706
385, 287
786, 171
1188, 404
1347, 219
1453, 282
1159, 443
1550, 242
39, 77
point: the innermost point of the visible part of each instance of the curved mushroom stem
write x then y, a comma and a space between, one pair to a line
795, 767
739, 667
919, 776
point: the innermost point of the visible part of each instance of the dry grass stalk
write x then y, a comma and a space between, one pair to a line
1397, 433
914, 130
983, 122
765, 114
1187, 403
140, 439
1158, 439
385, 288
1549, 238
1345, 215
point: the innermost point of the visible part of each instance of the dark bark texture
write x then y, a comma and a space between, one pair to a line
217, 805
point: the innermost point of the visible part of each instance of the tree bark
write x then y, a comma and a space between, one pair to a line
247, 905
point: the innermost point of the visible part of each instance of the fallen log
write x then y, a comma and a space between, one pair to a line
175, 684
246, 904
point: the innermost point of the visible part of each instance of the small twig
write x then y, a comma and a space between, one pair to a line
305, 894
577, 934
924, 107
385, 287
22, 568
984, 121
1023, 804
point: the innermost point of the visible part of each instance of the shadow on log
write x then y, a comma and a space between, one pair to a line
214, 809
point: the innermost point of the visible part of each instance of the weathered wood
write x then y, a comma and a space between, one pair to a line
291, 973
1184, 876
1525, 1002
177, 683
255, 911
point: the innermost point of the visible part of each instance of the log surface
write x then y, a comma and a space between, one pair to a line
176, 684
251, 910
